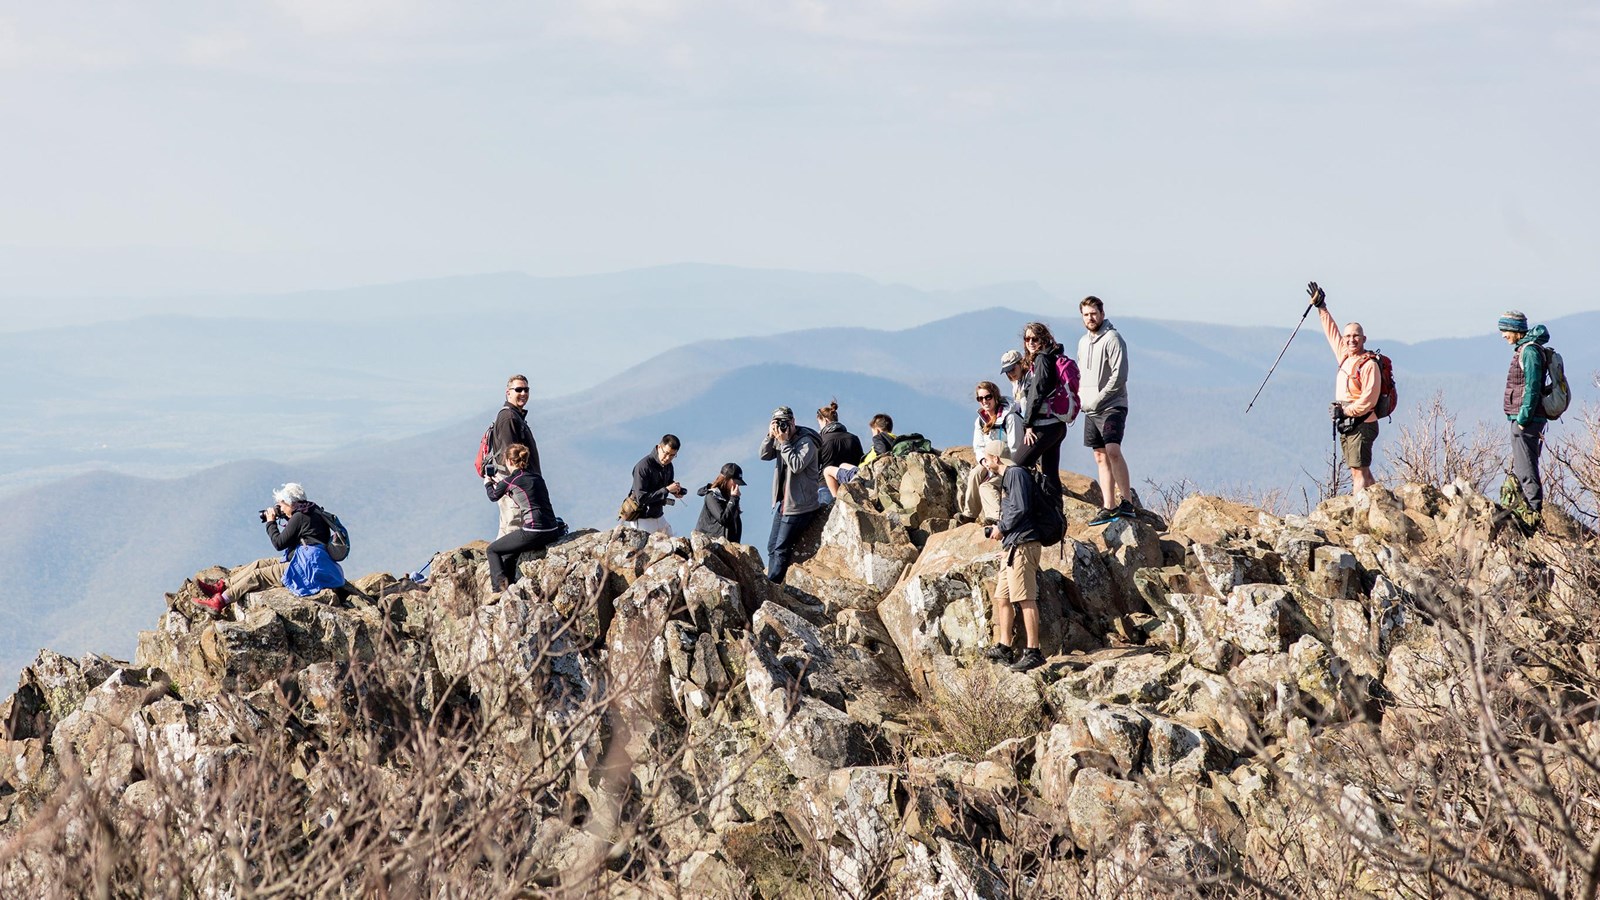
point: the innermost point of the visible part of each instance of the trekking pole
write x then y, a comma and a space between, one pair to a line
1314, 292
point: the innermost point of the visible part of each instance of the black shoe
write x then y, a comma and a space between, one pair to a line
1103, 517
1125, 509
1030, 659
1000, 653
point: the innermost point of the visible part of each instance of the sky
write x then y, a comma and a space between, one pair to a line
1429, 161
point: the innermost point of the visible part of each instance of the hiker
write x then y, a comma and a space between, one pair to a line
980, 493
511, 427
794, 486
1017, 585
882, 442
1044, 430
1355, 393
296, 527
1103, 360
655, 487
720, 516
839, 448
537, 525
1524, 404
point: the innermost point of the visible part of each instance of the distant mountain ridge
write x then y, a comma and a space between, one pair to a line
84, 557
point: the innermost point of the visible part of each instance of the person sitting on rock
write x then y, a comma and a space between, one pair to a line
719, 518
1017, 586
882, 441
839, 448
537, 525
794, 486
980, 493
655, 486
297, 527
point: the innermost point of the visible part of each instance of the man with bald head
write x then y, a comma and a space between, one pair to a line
1355, 392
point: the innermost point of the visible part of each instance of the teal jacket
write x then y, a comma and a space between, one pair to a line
1524, 396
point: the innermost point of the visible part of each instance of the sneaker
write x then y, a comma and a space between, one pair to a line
1031, 658
1103, 516
1125, 509
1000, 653
212, 602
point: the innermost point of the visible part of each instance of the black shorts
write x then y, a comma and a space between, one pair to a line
1100, 429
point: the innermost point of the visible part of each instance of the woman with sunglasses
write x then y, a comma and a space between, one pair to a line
1043, 429
980, 495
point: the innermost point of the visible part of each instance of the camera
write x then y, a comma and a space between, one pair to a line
263, 515
488, 470
988, 531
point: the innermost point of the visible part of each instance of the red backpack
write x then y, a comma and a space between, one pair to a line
485, 452
1388, 393
1064, 402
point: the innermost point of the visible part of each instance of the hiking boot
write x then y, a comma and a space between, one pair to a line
1103, 517
1031, 658
211, 588
1125, 509
1000, 653
212, 602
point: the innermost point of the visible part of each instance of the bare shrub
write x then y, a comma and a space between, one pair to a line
1571, 466
975, 709
1434, 450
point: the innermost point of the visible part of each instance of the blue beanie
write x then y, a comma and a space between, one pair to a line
1514, 320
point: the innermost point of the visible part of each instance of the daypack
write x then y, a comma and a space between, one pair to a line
338, 536
1049, 523
1556, 394
1388, 393
907, 444
485, 450
1064, 402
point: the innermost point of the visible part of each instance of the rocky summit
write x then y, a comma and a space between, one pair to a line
1389, 696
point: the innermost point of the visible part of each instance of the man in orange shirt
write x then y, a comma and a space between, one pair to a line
1355, 392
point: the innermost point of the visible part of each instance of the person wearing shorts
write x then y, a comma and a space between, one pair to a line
1355, 392
1103, 362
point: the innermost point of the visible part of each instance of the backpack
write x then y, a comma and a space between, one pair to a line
1555, 393
1049, 523
485, 450
907, 444
1064, 402
338, 536
1388, 393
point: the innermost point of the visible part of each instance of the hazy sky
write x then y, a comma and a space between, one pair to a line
1432, 161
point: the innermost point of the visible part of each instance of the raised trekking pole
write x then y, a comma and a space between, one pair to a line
1316, 295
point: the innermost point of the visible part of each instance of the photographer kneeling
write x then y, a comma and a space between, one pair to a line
305, 567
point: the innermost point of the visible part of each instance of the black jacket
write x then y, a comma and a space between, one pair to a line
1042, 382
720, 516
1019, 497
302, 527
839, 446
511, 427
531, 496
650, 480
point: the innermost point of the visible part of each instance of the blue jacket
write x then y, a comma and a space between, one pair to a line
311, 570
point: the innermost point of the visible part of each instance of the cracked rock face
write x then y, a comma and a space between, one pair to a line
655, 710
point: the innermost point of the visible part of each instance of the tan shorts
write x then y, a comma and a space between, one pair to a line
1357, 445
1019, 574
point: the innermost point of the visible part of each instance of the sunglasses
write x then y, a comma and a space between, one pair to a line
1032, 339
520, 390
982, 397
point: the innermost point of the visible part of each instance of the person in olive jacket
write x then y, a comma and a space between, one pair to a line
720, 516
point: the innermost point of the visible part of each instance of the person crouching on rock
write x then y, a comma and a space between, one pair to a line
719, 518
655, 486
1017, 587
537, 525
794, 486
980, 493
297, 527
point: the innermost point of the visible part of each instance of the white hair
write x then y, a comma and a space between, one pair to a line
290, 493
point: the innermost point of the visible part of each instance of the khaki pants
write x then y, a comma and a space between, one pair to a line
509, 521
256, 576
1019, 575
980, 496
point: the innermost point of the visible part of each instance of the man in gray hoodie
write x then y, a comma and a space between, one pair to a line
794, 485
1103, 362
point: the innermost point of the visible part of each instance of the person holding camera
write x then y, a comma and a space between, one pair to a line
1017, 586
1355, 392
537, 525
298, 528
655, 486
797, 450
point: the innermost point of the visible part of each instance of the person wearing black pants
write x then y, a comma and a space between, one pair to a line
1041, 442
537, 523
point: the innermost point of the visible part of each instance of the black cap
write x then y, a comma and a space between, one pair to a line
733, 473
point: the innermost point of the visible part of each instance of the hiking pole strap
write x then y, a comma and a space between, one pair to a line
1275, 362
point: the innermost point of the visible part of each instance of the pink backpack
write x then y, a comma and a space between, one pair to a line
1064, 402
